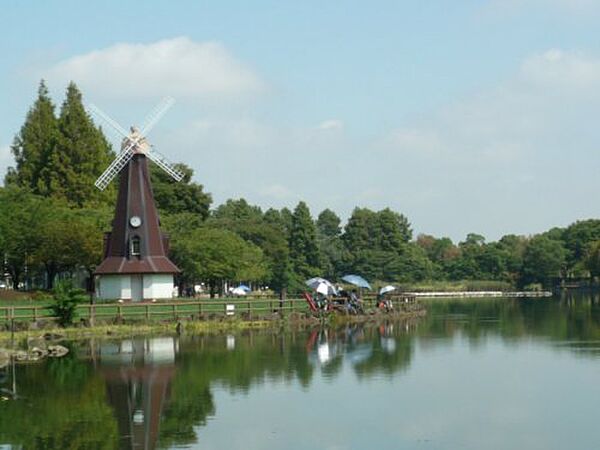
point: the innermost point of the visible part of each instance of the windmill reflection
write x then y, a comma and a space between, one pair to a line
138, 375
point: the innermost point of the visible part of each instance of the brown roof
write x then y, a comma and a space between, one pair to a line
135, 198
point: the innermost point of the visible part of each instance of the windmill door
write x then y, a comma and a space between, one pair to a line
137, 288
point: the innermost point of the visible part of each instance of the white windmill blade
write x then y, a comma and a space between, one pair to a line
115, 167
165, 165
156, 114
106, 118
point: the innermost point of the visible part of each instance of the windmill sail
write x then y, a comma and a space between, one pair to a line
164, 164
115, 167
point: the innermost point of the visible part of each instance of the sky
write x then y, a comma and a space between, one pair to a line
465, 116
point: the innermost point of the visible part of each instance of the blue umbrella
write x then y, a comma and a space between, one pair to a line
243, 287
357, 280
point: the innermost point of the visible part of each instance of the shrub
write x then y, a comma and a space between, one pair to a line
65, 299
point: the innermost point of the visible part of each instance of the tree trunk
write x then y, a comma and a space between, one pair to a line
51, 274
212, 286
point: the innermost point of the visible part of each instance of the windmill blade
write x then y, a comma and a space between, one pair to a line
106, 118
164, 164
156, 115
115, 167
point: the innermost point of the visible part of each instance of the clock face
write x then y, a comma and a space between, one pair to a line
135, 221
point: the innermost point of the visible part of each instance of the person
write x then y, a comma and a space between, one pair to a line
355, 301
383, 302
321, 301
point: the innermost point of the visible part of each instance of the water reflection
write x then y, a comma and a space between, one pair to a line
160, 392
138, 375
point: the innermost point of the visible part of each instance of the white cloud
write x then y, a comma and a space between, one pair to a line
277, 192
557, 69
179, 67
507, 7
331, 124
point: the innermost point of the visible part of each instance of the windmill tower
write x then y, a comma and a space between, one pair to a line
135, 266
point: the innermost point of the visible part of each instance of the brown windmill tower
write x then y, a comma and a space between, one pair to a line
135, 266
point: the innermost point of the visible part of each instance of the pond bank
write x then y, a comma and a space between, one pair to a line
478, 294
131, 327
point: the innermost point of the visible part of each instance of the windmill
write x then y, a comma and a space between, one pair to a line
135, 265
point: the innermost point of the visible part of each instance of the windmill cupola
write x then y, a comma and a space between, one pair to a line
136, 265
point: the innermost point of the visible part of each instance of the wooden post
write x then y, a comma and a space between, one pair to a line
147, 312
249, 310
120, 311
35, 313
200, 308
92, 314
174, 311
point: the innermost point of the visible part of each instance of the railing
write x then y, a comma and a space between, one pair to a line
251, 307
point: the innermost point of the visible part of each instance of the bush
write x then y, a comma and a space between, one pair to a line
65, 299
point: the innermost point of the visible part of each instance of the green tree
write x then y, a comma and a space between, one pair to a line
304, 249
20, 224
238, 210
331, 247
80, 157
174, 197
543, 260
34, 146
217, 255
328, 224
592, 259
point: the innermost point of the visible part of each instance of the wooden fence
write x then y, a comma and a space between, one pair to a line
250, 307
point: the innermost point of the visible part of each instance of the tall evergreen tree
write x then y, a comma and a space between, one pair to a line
82, 154
328, 223
304, 250
34, 145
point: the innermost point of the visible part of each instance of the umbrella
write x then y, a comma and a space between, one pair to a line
386, 289
316, 283
238, 291
357, 280
326, 289
244, 288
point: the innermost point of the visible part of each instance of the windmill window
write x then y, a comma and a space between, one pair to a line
135, 246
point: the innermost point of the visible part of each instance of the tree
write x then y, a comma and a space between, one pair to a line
592, 259
184, 196
330, 243
393, 230
543, 260
20, 223
238, 210
216, 256
81, 156
34, 145
304, 250
328, 224
65, 299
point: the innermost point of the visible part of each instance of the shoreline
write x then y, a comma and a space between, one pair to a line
179, 327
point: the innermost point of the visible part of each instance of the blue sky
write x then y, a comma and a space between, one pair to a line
467, 116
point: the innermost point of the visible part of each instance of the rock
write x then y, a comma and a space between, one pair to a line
52, 336
57, 351
4, 358
21, 355
36, 342
36, 353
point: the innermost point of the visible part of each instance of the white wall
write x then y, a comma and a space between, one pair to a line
111, 287
155, 286
158, 286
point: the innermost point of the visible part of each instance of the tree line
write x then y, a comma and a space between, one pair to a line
52, 221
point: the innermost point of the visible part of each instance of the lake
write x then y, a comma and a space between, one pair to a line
473, 374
